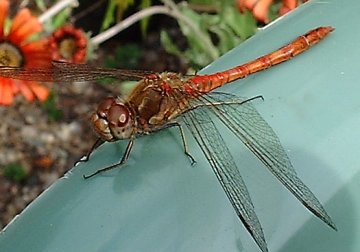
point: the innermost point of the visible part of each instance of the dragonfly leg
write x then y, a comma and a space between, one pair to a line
183, 139
122, 161
97, 143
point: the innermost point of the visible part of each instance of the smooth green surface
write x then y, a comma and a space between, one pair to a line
158, 202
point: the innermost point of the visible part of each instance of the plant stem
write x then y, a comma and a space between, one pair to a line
208, 46
169, 9
109, 33
56, 9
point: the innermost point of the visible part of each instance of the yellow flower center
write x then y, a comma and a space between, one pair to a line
67, 48
10, 55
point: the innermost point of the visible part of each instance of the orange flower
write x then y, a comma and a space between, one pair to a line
17, 50
287, 6
260, 8
69, 44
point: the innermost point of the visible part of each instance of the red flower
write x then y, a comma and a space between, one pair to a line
69, 44
17, 50
260, 8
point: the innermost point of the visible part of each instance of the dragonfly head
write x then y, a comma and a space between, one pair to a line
113, 120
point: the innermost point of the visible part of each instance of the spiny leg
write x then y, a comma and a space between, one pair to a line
178, 125
97, 143
122, 161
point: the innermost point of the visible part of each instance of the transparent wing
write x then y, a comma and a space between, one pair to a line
248, 125
225, 169
67, 72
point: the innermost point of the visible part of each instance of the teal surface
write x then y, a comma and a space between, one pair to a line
158, 202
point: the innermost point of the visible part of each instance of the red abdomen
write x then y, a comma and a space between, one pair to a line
206, 83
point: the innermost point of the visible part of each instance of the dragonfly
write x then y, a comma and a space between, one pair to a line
164, 100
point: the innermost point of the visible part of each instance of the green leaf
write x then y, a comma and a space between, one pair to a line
54, 113
109, 15
226, 37
15, 172
144, 23
169, 45
61, 18
229, 26
126, 56
41, 5
201, 49
274, 10
115, 12
243, 24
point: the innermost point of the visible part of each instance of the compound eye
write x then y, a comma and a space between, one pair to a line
118, 115
104, 106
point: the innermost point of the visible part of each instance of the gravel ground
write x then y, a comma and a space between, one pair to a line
44, 148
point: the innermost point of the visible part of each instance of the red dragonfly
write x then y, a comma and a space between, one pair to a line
164, 100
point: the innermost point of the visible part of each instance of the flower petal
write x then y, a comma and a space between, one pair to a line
6, 92
35, 46
287, 6
36, 54
246, 4
261, 9
39, 90
291, 4
20, 19
26, 91
4, 7
37, 63
23, 26
68, 43
15, 87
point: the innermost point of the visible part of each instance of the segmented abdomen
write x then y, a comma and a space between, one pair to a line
206, 83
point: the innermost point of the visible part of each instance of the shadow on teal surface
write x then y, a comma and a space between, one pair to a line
311, 237
158, 202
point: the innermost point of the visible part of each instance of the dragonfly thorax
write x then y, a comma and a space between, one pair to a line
113, 120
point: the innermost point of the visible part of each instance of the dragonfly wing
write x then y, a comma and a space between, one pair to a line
226, 171
28, 74
68, 72
249, 126
87, 72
